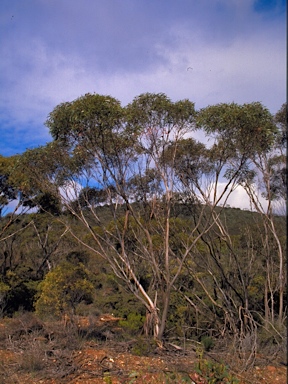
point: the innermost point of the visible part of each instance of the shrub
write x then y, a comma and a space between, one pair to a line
207, 342
63, 288
144, 346
133, 324
213, 372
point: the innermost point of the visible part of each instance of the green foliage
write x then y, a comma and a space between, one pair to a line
189, 158
46, 201
21, 297
8, 192
107, 378
214, 372
143, 346
273, 337
4, 290
133, 324
76, 257
160, 111
246, 128
89, 117
177, 377
144, 186
17, 290
207, 342
181, 317
62, 289
281, 119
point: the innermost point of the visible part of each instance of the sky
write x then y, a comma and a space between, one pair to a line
209, 51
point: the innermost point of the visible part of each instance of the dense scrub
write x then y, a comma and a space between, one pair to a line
73, 281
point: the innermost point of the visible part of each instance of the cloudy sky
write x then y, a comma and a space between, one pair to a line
209, 51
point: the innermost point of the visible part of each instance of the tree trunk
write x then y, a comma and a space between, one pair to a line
166, 301
151, 324
267, 310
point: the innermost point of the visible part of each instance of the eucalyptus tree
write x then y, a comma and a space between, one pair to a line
158, 122
266, 181
201, 172
103, 153
245, 139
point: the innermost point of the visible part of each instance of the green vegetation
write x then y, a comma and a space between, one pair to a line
215, 373
62, 289
131, 218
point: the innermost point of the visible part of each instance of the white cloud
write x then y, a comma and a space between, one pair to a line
244, 69
239, 197
70, 191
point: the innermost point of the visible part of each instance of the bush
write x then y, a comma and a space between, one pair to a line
213, 372
144, 346
133, 324
207, 342
63, 288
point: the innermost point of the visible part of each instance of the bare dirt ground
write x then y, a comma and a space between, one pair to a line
32, 357
93, 365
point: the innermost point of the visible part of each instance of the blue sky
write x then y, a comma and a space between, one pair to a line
209, 51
